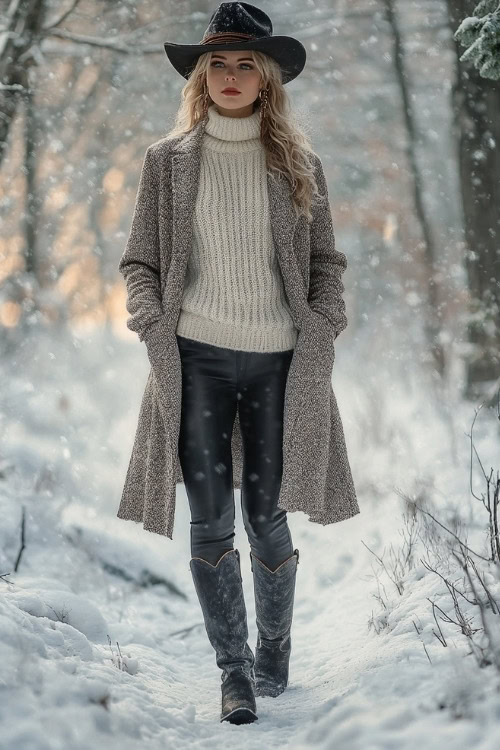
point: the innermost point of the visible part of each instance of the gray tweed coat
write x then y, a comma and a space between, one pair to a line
316, 473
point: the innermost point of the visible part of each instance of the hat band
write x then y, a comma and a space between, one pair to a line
227, 36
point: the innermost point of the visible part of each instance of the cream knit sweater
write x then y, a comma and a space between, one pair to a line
233, 294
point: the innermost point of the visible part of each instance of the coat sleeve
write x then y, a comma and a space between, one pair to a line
140, 262
326, 263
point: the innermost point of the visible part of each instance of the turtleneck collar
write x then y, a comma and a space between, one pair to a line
232, 128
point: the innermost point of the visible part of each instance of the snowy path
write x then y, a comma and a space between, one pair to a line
349, 688
331, 647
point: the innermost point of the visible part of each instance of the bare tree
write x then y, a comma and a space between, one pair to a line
25, 27
433, 315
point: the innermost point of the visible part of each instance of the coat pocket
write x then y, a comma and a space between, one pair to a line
311, 428
317, 342
164, 357
160, 341
309, 454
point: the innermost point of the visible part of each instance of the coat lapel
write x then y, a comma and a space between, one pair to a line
185, 178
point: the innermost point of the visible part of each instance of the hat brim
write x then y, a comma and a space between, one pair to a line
289, 53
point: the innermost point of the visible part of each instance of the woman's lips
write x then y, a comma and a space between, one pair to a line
232, 93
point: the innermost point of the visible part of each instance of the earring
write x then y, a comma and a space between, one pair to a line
263, 105
264, 120
205, 103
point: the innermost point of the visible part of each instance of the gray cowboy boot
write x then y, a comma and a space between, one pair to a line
274, 596
220, 592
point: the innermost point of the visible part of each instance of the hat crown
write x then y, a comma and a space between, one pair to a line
241, 18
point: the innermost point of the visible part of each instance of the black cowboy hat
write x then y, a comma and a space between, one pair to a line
240, 26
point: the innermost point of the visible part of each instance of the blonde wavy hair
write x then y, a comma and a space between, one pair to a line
288, 148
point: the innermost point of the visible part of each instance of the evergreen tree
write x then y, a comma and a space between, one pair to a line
480, 33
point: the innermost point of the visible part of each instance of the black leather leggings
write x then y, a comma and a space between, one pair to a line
215, 382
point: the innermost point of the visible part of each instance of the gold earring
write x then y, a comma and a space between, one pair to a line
263, 105
263, 113
205, 104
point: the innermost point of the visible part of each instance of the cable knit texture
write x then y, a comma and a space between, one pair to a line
234, 295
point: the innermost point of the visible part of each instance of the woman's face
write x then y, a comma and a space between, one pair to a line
233, 69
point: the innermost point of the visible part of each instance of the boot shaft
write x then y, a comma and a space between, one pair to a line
220, 592
274, 596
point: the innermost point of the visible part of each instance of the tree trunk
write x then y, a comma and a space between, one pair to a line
476, 103
433, 315
22, 23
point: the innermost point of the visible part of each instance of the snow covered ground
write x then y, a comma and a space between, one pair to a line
102, 642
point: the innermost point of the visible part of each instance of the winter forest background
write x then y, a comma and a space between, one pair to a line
396, 635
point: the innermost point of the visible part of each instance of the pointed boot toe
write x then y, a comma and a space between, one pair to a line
238, 698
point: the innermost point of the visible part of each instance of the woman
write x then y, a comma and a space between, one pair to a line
217, 300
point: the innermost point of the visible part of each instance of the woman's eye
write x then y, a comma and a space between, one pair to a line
219, 62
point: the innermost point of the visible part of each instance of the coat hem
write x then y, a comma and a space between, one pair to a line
166, 531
